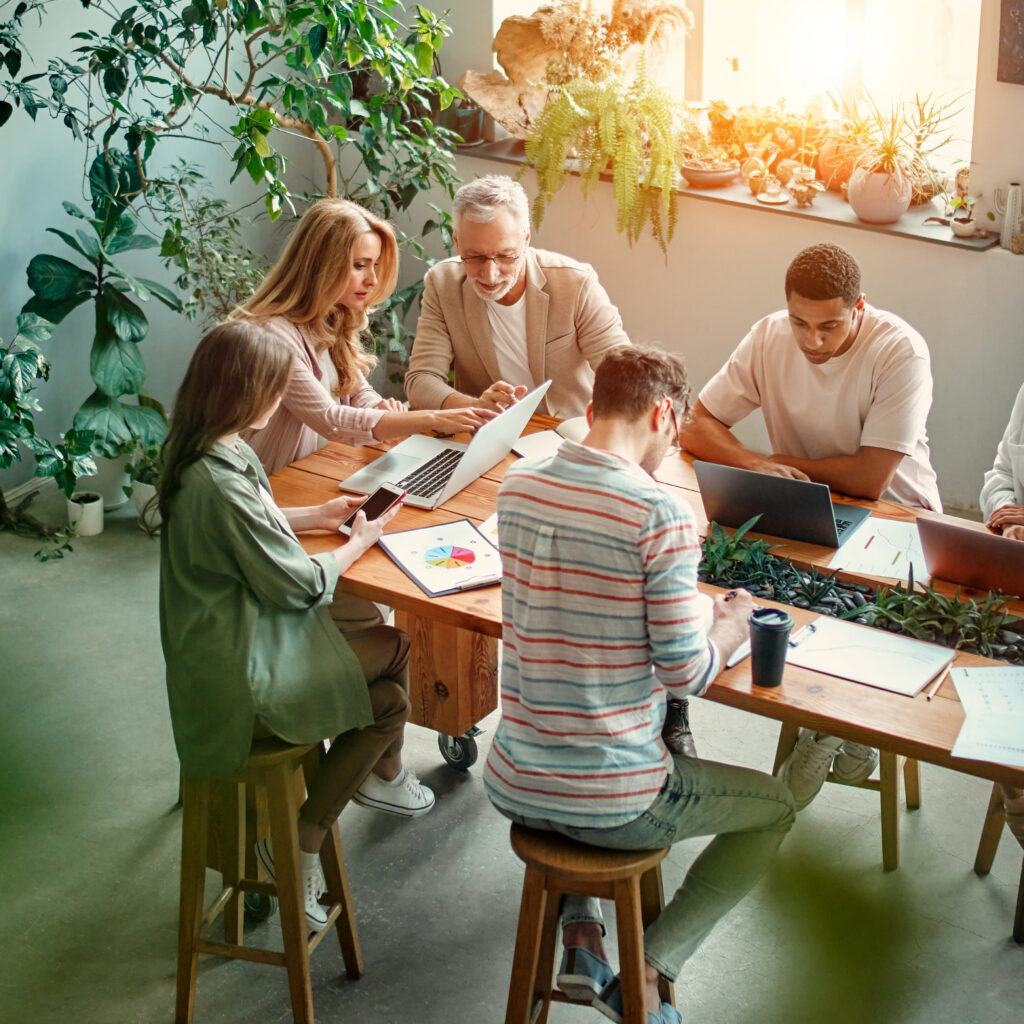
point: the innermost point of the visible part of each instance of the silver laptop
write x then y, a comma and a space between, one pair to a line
975, 558
797, 509
431, 470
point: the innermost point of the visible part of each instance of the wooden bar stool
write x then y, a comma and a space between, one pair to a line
275, 766
556, 865
991, 833
887, 785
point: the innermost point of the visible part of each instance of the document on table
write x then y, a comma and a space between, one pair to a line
489, 528
547, 442
870, 656
882, 547
993, 702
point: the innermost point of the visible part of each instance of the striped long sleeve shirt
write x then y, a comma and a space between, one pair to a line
601, 615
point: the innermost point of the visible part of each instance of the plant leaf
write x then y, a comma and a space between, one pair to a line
56, 280
126, 318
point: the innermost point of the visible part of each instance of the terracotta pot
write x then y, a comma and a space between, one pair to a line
836, 161
877, 197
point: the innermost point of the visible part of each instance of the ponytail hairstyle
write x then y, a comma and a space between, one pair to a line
316, 260
236, 372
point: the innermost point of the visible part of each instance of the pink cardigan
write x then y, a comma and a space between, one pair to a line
309, 415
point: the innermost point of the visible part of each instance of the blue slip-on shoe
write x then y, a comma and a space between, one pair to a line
582, 975
609, 1002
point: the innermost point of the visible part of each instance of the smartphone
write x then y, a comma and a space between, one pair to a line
374, 507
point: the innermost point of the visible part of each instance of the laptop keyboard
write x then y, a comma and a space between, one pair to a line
426, 481
841, 525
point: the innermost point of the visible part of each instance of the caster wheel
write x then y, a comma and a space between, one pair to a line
258, 906
459, 751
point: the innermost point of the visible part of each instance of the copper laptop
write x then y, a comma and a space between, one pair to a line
975, 558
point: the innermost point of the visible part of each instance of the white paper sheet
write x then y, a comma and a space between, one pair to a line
544, 442
882, 547
870, 656
993, 703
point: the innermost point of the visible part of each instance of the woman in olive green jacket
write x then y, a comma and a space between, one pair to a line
250, 645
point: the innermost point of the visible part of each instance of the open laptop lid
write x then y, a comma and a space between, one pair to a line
797, 509
492, 442
972, 557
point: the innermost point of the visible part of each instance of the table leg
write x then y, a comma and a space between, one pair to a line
453, 674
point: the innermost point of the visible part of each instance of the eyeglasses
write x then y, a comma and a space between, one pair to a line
675, 447
502, 262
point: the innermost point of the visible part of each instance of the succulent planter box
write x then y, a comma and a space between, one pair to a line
980, 626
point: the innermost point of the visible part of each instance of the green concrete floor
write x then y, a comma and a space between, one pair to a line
89, 860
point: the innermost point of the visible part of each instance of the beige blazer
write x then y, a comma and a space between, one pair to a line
571, 325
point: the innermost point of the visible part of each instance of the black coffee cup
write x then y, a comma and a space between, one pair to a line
769, 640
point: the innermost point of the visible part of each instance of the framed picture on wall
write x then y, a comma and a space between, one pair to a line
1011, 43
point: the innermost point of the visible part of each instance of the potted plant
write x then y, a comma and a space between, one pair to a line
882, 183
144, 466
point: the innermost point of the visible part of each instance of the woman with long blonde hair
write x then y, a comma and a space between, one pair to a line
339, 263
248, 640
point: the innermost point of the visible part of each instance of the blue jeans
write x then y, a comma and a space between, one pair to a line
748, 813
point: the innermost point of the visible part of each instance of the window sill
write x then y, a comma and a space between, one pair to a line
829, 206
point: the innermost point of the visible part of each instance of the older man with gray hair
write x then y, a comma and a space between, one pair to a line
506, 316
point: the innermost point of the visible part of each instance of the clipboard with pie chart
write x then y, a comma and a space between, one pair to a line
446, 558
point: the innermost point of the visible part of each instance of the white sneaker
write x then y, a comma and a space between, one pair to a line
805, 769
854, 762
404, 794
313, 885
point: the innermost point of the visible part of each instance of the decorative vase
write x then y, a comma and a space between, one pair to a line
1008, 204
877, 197
836, 161
85, 513
149, 514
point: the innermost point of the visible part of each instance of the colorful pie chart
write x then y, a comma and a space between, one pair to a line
448, 556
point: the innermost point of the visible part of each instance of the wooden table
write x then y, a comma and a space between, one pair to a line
454, 662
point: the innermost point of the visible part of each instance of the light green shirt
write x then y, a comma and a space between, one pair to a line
244, 622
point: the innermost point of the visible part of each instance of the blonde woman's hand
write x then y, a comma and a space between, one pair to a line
455, 421
393, 405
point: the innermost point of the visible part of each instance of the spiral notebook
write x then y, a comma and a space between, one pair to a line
446, 558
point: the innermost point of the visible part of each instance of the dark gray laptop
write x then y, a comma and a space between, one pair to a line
797, 509
975, 558
431, 470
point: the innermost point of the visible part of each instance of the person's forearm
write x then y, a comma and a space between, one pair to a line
708, 439
402, 424
308, 517
860, 475
347, 554
457, 400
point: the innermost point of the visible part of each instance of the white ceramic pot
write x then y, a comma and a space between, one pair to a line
110, 480
963, 228
149, 514
85, 513
879, 198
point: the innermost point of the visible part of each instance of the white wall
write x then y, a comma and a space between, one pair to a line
725, 270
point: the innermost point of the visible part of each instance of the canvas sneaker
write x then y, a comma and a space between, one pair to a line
404, 794
805, 769
313, 885
854, 762
582, 975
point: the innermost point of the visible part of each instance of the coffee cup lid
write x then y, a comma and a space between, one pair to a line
771, 618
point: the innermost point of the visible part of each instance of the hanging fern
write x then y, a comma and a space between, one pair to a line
631, 128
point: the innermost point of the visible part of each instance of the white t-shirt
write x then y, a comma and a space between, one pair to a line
877, 394
508, 332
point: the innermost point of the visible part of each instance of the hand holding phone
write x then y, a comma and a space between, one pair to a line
374, 507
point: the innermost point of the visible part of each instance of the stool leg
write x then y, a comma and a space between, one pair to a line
889, 794
194, 830
787, 741
284, 834
1018, 917
544, 977
652, 902
232, 800
332, 859
991, 832
912, 782
630, 926
524, 982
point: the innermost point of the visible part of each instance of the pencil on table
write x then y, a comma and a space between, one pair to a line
934, 688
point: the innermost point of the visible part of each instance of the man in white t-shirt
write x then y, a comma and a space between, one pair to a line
845, 391
504, 316
844, 388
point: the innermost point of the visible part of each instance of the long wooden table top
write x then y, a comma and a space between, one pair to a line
914, 727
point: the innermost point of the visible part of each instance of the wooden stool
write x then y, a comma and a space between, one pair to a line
556, 865
887, 786
273, 765
991, 833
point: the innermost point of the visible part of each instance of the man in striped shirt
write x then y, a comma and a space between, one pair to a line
602, 620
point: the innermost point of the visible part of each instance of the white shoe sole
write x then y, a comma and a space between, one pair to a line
381, 805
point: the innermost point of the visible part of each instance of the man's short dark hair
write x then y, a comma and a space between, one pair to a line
632, 379
824, 271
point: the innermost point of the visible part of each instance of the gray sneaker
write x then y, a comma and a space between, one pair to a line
854, 762
805, 769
